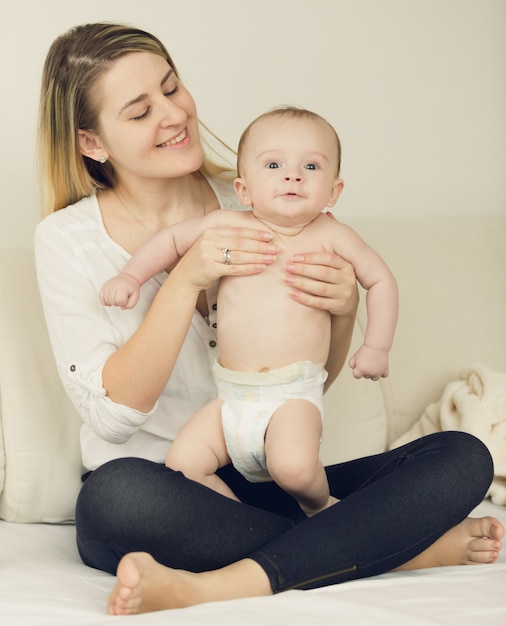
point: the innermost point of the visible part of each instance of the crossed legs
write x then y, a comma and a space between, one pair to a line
402, 509
144, 585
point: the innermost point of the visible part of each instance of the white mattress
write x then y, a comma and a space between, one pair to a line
43, 582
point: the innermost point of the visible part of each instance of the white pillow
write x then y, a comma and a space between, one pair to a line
40, 461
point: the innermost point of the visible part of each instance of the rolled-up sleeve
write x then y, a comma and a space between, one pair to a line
82, 332
112, 422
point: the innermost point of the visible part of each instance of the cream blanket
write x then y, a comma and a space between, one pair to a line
476, 404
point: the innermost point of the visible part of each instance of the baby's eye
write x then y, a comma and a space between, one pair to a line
311, 166
273, 165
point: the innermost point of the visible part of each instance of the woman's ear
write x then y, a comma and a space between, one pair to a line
337, 187
90, 146
242, 191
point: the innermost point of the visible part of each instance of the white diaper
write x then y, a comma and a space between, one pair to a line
250, 400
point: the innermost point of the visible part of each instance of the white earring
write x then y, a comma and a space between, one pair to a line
102, 159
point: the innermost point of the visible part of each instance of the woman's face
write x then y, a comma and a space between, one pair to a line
148, 121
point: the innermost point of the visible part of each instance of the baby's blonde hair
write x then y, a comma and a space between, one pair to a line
288, 112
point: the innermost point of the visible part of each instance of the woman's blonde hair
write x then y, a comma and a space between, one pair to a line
75, 61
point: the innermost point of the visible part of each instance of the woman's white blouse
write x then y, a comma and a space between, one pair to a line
74, 257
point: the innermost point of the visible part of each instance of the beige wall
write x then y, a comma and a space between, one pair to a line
416, 89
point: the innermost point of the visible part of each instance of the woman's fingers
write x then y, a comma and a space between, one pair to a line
244, 245
238, 246
230, 256
323, 280
227, 252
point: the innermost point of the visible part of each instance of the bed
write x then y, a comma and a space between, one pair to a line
453, 298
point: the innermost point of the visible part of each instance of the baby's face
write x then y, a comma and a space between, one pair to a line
289, 168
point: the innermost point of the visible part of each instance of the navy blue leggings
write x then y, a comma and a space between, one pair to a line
393, 506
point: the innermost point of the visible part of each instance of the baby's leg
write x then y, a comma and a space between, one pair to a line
292, 444
199, 449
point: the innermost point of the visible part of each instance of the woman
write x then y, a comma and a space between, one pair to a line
121, 158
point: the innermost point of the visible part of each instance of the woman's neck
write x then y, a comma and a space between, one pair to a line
132, 213
159, 204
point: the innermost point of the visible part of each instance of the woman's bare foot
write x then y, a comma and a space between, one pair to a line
144, 585
474, 540
132, 591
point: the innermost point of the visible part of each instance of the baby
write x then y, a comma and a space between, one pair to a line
267, 418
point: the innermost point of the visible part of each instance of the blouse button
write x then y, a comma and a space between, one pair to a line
72, 368
215, 325
212, 343
215, 306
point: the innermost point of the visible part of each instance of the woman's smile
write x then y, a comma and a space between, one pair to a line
179, 139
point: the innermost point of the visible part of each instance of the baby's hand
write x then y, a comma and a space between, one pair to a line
123, 290
369, 363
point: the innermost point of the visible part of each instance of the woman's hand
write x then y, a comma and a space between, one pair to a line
227, 252
327, 281
323, 281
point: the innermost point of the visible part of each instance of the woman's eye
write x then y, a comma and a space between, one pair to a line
171, 86
273, 165
171, 92
141, 116
311, 166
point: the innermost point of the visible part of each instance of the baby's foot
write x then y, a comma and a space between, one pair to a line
474, 540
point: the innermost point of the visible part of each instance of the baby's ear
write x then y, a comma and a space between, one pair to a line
242, 191
335, 192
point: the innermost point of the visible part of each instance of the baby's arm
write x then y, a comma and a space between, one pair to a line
382, 300
156, 255
161, 251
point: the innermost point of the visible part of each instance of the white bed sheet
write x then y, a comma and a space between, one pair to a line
43, 583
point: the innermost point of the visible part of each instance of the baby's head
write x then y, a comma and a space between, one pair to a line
288, 164
306, 119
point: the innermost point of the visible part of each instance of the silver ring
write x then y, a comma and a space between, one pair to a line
226, 256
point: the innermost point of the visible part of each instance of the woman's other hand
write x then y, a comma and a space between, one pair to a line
323, 281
